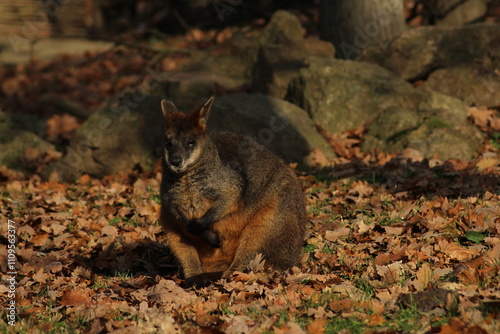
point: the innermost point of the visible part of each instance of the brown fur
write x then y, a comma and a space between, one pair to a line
235, 190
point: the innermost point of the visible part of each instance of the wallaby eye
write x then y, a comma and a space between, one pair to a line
168, 143
191, 143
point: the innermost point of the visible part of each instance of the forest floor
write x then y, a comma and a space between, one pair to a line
392, 246
395, 243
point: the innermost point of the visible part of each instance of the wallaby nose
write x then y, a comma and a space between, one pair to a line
175, 160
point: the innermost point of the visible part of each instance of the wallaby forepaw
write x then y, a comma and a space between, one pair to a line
195, 228
211, 238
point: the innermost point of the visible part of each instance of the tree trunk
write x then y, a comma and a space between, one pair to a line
454, 12
352, 25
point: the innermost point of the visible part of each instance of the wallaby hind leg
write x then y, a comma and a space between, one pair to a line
284, 246
253, 239
185, 253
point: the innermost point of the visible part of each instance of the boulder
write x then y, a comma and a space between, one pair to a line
474, 85
277, 65
437, 127
417, 52
342, 95
283, 52
18, 133
456, 12
283, 27
389, 127
124, 134
277, 124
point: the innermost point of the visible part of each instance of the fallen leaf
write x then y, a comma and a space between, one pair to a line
392, 272
337, 233
54, 267
486, 163
39, 239
166, 291
61, 126
317, 326
84, 179
424, 275
77, 297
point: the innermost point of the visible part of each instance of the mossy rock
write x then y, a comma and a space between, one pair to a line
341, 95
420, 51
283, 27
438, 127
478, 86
389, 129
18, 133
118, 137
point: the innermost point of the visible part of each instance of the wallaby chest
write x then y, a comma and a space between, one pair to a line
191, 195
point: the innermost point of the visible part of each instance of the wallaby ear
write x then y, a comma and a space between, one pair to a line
204, 111
167, 107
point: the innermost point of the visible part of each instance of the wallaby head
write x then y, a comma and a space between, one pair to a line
185, 135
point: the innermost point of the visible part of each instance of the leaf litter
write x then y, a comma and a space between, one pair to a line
395, 242
384, 251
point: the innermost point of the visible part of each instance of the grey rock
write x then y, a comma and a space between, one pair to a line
445, 129
456, 12
341, 94
450, 109
17, 134
473, 84
387, 132
437, 127
418, 52
13, 151
117, 137
277, 124
282, 28
278, 65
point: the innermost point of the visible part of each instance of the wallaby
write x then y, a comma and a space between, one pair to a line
225, 198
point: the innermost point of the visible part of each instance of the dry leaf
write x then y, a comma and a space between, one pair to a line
77, 297
317, 326
39, 239
257, 264
486, 163
481, 116
424, 275
361, 188
392, 272
54, 267
84, 179
337, 233
455, 251
166, 291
